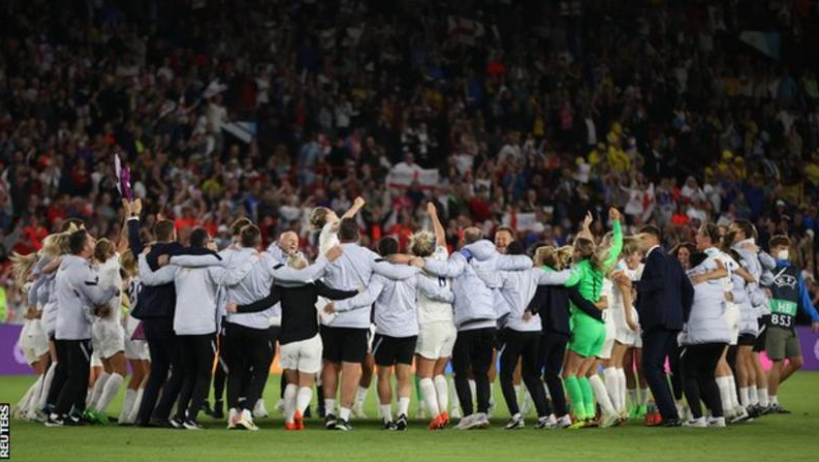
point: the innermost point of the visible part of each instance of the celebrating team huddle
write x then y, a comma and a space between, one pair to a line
552, 317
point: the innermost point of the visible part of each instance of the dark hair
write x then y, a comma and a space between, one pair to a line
653, 230
506, 229
691, 249
77, 241
747, 228
163, 230
387, 246
251, 235
697, 258
71, 221
348, 230
711, 231
515, 248
779, 239
238, 225
199, 237
318, 218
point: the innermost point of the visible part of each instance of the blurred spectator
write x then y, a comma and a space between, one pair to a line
528, 113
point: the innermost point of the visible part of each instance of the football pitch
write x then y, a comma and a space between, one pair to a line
777, 438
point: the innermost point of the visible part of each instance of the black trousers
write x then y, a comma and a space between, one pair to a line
246, 349
273, 333
525, 345
657, 344
166, 358
698, 364
676, 373
60, 374
78, 360
198, 352
552, 352
473, 353
221, 373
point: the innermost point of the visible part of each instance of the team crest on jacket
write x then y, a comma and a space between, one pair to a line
786, 280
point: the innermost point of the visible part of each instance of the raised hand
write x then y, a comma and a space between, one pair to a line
431, 209
614, 214
587, 220
136, 206
359, 202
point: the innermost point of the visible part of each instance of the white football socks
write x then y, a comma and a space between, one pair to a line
612, 386
744, 400
361, 396
137, 403
127, 406
303, 398
386, 412
430, 396
621, 379
96, 392
109, 392
753, 396
290, 392
46, 386
601, 394
330, 406
442, 392
763, 397
403, 405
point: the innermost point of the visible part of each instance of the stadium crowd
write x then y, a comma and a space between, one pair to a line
534, 123
551, 108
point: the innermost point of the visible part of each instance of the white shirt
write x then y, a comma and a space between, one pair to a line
430, 310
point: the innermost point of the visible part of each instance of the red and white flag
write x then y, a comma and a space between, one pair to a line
465, 31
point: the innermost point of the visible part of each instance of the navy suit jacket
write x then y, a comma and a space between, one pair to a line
155, 302
664, 293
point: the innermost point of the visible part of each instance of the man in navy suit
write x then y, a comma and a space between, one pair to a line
664, 297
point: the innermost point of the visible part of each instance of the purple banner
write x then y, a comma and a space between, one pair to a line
810, 347
12, 360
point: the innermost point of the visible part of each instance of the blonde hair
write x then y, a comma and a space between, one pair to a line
422, 244
51, 246
548, 256
104, 250
128, 262
566, 253
56, 244
22, 265
595, 253
631, 244
318, 218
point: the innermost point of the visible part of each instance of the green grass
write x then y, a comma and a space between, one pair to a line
777, 437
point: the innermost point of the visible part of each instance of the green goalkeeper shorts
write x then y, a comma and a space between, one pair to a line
588, 335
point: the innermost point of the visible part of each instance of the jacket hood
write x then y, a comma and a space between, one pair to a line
482, 250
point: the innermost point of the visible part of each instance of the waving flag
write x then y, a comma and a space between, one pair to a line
123, 179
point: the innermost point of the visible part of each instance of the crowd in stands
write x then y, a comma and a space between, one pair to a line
525, 113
